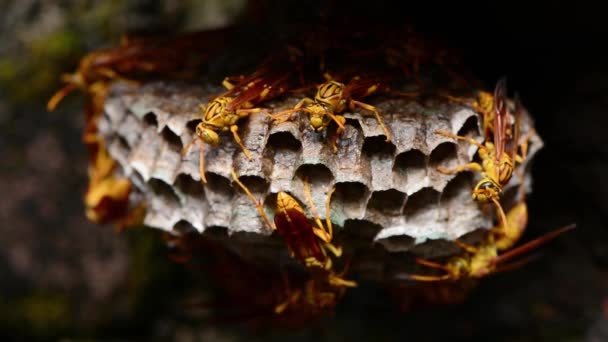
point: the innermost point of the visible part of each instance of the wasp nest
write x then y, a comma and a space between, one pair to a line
387, 194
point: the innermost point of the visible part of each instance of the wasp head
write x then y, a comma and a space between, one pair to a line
207, 135
486, 190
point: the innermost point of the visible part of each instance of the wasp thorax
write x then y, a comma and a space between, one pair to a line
216, 107
330, 93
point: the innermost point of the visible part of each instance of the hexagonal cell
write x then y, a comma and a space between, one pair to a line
284, 140
387, 201
171, 139
150, 119
422, 200
409, 170
163, 190
186, 185
443, 155
349, 201
470, 127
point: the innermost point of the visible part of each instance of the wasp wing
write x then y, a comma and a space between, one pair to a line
500, 117
297, 231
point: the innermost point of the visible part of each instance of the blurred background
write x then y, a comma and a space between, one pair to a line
63, 278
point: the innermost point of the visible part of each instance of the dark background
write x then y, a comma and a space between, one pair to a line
62, 277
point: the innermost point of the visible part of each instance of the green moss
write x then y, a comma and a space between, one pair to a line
8, 69
41, 314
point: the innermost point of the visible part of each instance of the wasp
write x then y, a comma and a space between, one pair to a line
316, 296
306, 242
332, 99
497, 163
141, 57
480, 261
483, 104
223, 112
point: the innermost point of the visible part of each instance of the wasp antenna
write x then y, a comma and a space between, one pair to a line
533, 244
418, 277
517, 264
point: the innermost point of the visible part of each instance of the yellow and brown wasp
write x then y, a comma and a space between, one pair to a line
497, 163
306, 242
333, 98
272, 79
138, 58
480, 261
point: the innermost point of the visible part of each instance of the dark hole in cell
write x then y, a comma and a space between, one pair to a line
354, 122
184, 227
387, 201
412, 159
172, 139
442, 154
219, 184
350, 192
426, 197
215, 232
462, 182
255, 184
284, 140
378, 146
401, 241
406, 162
470, 127
189, 186
357, 230
316, 173
124, 144
191, 125
150, 119
162, 189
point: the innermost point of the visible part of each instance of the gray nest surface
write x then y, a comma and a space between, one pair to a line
387, 194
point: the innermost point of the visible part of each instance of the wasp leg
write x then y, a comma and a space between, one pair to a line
257, 203
234, 129
338, 279
524, 146
292, 297
201, 161
467, 167
468, 248
340, 121
458, 137
377, 114
320, 231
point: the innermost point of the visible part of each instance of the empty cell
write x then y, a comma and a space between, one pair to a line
443, 155
349, 201
387, 201
163, 190
255, 184
191, 125
422, 200
360, 230
462, 183
172, 139
378, 146
184, 227
410, 161
219, 184
470, 128
187, 185
316, 173
397, 243
150, 119
284, 140
409, 167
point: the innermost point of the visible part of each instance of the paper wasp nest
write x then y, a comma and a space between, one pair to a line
387, 194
